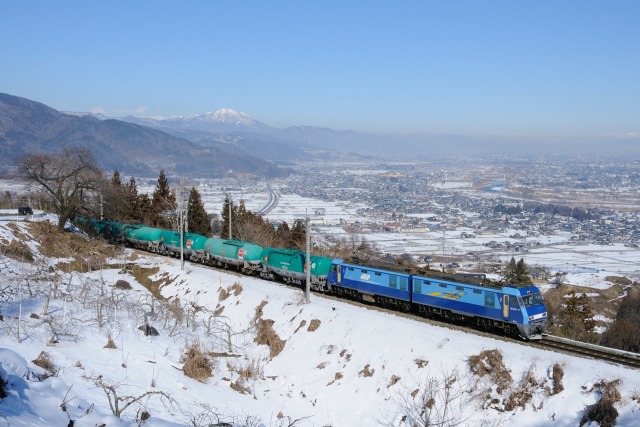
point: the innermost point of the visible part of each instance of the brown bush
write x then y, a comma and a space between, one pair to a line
236, 288
110, 343
421, 363
267, 336
196, 363
19, 251
557, 375
44, 361
524, 392
489, 362
367, 371
314, 325
301, 325
123, 284
603, 411
259, 311
240, 387
394, 380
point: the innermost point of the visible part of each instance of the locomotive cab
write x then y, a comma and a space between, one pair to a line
525, 308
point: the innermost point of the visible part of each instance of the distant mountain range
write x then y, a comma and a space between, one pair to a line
228, 142
29, 126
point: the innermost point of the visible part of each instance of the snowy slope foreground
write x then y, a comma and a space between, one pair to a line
275, 361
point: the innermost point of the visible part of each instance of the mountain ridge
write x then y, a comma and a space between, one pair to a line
30, 126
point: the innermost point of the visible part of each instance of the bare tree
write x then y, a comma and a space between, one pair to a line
119, 402
434, 402
65, 177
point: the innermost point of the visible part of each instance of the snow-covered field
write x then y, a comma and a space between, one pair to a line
341, 365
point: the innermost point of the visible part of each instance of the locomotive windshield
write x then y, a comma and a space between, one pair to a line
532, 299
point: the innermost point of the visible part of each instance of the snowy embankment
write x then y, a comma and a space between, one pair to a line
325, 363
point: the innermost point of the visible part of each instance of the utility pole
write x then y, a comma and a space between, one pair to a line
230, 236
308, 263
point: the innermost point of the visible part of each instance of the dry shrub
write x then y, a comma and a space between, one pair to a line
322, 365
524, 393
314, 325
223, 294
196, 363
123, 284
236, 288
557, 375
267, 336
19, 251
218, 311
421, 363
44, 361
110, 343
394, 380
301, 325
489, 362
259, 311
603, 411
253, 370
240, 387
366, 371
337, 376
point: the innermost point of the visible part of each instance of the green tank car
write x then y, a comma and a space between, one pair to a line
192, 244
289, 265
142, 237
242, 255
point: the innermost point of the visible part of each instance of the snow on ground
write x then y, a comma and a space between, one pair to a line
349, 369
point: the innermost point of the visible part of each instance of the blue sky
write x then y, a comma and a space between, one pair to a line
524, 69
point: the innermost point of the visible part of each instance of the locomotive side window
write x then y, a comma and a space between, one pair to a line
459, 288
393, 282
443, 285
403, 283
378, 273
417, 286
513, 303
477, 291
489, 299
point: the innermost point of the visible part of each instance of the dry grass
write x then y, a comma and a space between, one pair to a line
337, 376
367, 371
259, 311
301, 325
524, 392
45, 362
18, 251
123, 284
489, 362
267, 336
557, 375
603, 411
394, 380
196, 363
421, 363
143, 276
314, 325
110, 343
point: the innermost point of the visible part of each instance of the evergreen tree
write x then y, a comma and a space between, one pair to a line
523, 276
197, 218
510, 276
163, 201
298, 234
577, 318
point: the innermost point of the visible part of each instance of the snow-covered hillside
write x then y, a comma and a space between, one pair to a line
276, 361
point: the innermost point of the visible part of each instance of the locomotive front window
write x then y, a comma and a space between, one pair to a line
532, 299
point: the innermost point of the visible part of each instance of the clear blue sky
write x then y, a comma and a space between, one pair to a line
556, 68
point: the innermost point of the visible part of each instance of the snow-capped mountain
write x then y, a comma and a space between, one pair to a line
222, 120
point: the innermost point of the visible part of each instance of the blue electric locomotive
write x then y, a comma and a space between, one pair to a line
515, 310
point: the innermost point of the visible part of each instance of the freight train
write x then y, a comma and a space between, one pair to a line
469, 298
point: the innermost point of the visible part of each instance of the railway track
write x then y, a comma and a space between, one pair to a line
577, 348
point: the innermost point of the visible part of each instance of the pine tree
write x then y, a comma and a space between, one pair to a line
523, 277
163, 200
197, 217
510, 276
